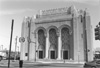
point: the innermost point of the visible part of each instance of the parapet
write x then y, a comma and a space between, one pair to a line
57, 12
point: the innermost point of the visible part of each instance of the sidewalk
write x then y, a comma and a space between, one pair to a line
4, 63
28, 64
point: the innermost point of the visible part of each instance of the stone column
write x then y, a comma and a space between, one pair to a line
59, 46
47, 46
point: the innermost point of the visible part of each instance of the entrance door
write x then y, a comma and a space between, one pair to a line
40, 54
52, 54
65, 54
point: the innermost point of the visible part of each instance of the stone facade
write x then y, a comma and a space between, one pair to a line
57, 34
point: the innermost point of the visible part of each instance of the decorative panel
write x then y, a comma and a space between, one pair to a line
41, 39
65, 37
53, 38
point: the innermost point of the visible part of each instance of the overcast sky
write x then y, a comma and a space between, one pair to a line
18, 9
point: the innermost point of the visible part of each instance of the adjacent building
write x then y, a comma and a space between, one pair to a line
57, 34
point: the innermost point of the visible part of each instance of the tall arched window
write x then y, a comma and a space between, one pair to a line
53, 43
41, 41
53, 38
65, 37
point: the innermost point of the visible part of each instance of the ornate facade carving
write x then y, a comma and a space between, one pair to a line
65, 37
54, 11
57, 34
53, 39
41, 39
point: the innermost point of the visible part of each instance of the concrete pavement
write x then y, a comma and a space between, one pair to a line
4, 64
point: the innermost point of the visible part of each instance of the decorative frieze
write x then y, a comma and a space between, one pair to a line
54, 11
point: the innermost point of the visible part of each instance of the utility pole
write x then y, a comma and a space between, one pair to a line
10, 42
15, 46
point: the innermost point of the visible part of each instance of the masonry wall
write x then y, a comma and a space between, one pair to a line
33, 41
81, 43
78, 37
24, 47
89, 38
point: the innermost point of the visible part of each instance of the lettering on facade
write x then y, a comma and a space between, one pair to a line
54, 11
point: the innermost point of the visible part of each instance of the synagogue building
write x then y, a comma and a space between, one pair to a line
57, 34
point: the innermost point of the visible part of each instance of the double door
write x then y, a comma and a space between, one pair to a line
65, 54
41, 54
52, 54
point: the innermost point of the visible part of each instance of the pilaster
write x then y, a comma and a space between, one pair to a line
59, 46
75, 27
47, 46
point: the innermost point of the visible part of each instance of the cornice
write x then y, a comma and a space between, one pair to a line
54, 19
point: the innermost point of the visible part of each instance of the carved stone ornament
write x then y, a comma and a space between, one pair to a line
54, 11
21, 39
58, 33
45, 34
70, 32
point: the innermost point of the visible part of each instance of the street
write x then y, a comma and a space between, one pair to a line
15, 64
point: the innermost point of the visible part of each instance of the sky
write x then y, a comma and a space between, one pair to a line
18, 9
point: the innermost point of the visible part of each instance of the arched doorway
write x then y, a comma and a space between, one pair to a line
41, 44
53, 39
65, 38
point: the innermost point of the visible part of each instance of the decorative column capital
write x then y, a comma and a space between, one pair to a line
58, 33
70, 32
45, 34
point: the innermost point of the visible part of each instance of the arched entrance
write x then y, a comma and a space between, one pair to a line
41, 44
65, 38
53, 39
